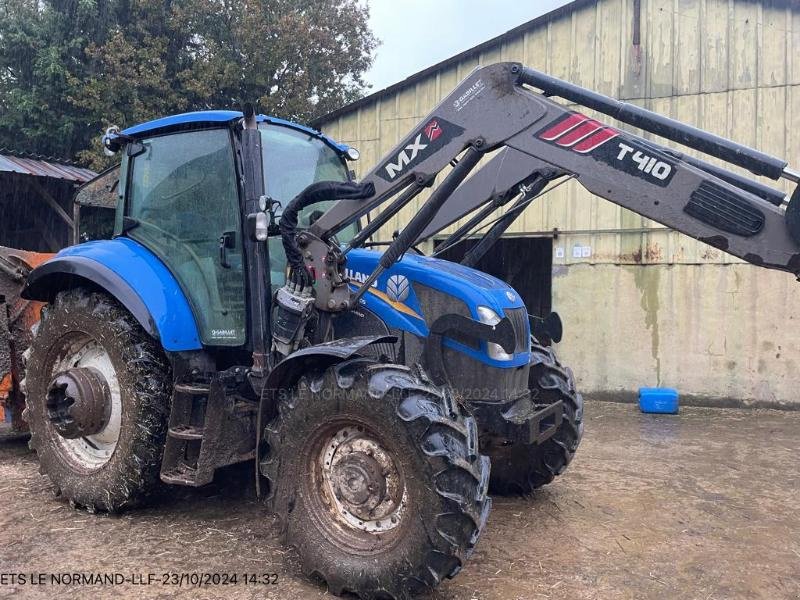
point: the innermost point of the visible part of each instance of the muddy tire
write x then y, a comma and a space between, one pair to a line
521, 468
118, 466
376, 478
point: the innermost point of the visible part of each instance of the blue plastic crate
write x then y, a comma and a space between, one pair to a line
658, 400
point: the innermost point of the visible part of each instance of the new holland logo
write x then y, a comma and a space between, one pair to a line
398, 288
434, 135
578, 132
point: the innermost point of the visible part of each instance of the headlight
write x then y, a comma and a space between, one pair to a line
488, 317
496, 352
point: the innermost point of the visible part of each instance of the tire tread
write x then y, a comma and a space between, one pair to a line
138, 478
461, 474
533, 466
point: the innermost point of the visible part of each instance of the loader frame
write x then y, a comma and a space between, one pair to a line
537, 140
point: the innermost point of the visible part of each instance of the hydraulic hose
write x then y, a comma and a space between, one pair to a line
313, 194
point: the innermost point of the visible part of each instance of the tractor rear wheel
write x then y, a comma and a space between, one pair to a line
376, 478
97, 401
522, 468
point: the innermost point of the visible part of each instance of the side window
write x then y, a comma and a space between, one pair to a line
183, 196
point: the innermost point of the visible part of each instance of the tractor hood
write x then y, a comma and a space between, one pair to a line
394, 298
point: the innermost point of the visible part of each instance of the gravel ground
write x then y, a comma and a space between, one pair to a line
701, 505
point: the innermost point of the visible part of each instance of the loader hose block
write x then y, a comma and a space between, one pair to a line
313, 194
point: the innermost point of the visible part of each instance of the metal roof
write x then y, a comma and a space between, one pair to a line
42, 167
223, 116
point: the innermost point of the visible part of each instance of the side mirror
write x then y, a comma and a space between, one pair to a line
111, 141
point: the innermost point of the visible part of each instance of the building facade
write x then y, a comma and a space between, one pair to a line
642, 305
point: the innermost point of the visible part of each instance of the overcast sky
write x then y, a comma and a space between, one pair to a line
419, 33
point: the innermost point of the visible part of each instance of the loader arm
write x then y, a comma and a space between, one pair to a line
716, 206
736, 220
495, 108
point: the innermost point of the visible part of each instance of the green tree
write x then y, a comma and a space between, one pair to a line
70, 68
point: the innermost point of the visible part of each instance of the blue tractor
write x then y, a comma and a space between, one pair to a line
241, 312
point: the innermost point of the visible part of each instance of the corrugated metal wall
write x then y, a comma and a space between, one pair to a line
729, 66
644, 305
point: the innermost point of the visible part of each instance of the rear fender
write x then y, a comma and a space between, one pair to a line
130, 273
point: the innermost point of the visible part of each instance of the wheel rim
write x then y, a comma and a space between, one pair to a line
363, 481
357, 490
90, 452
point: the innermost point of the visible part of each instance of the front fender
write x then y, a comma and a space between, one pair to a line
130, 273
320, 356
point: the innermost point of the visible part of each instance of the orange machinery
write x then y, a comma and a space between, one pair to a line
18, 317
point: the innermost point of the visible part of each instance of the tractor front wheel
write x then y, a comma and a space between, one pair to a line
377, 480
97, 400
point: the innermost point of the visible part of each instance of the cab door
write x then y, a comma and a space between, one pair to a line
182, 203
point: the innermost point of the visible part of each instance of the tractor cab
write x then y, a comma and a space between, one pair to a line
181, 196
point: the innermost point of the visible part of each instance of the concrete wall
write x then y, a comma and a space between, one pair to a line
729, 66
721, 334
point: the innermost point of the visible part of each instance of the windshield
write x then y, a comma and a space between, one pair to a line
292, 161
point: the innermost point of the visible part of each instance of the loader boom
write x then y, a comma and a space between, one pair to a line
495, 108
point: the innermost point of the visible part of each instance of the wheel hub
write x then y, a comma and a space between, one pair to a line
79, 402
358, 481
366, 489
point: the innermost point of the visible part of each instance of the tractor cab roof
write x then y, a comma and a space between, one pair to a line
205, 117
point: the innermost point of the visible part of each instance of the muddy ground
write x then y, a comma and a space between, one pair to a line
702, 505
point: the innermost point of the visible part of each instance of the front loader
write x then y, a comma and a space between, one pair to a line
243, 312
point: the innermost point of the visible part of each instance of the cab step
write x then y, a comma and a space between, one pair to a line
186, 432
180, 475
195, 426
